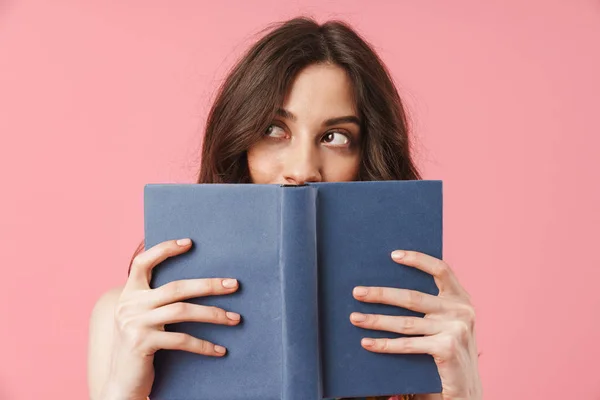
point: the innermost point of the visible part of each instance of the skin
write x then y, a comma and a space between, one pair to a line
298, 147
127, 323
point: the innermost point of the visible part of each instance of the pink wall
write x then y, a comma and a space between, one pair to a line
99, 98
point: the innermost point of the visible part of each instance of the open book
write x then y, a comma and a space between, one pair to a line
297, 252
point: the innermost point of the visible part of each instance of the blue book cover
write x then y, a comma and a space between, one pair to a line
297, 252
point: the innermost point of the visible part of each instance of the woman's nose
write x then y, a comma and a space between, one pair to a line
302, 165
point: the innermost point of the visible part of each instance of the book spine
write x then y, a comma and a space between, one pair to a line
300, 314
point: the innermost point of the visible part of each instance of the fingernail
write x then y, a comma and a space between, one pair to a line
398, 254
360, 291
220, 349
233, 316
368, 342
229, 283
358, 317
184, 242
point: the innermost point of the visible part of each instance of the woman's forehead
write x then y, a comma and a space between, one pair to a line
320, 91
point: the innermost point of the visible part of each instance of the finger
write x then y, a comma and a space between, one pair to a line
185, 342
182, 312
404, 345
445, 278
143, 263
409, 299
189, 288
403, 325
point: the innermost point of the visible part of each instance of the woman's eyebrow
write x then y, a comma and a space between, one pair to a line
342, 120
329, 122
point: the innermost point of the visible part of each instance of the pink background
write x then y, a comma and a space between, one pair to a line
99, 98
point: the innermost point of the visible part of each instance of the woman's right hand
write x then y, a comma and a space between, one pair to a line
142, 312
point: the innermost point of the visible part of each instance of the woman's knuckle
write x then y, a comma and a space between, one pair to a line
377, 292
214, 285
164, 250
411, 256
462, 331
137, 262
206, 286
384, 344
443, 270
409, 324
134, 336
448, 346
204, 347
125, 311
175, 289
373, 320
441, 348
126, 317
414, 298
123, 324
466, 313
179, 310
471, 314
216, 313
180, 340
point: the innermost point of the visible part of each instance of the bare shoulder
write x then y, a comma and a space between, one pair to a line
100, 339
103, 311
102, 316
107, 301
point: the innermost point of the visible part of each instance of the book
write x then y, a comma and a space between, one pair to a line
297, 253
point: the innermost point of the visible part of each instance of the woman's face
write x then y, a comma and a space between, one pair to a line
316, 134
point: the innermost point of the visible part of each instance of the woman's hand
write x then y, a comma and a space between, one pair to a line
448, 325
142, 312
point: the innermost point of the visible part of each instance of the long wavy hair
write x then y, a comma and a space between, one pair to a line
256, 86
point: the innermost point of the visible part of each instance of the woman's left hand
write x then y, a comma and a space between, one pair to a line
448, 325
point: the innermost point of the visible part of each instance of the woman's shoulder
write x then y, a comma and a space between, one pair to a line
102, 320
110, 296
105, 304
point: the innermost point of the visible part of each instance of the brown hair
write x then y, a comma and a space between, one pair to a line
256, 86
264, 75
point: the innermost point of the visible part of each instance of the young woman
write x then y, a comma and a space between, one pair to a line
306, 103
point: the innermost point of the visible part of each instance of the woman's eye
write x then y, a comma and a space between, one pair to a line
275, 132
336, 139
